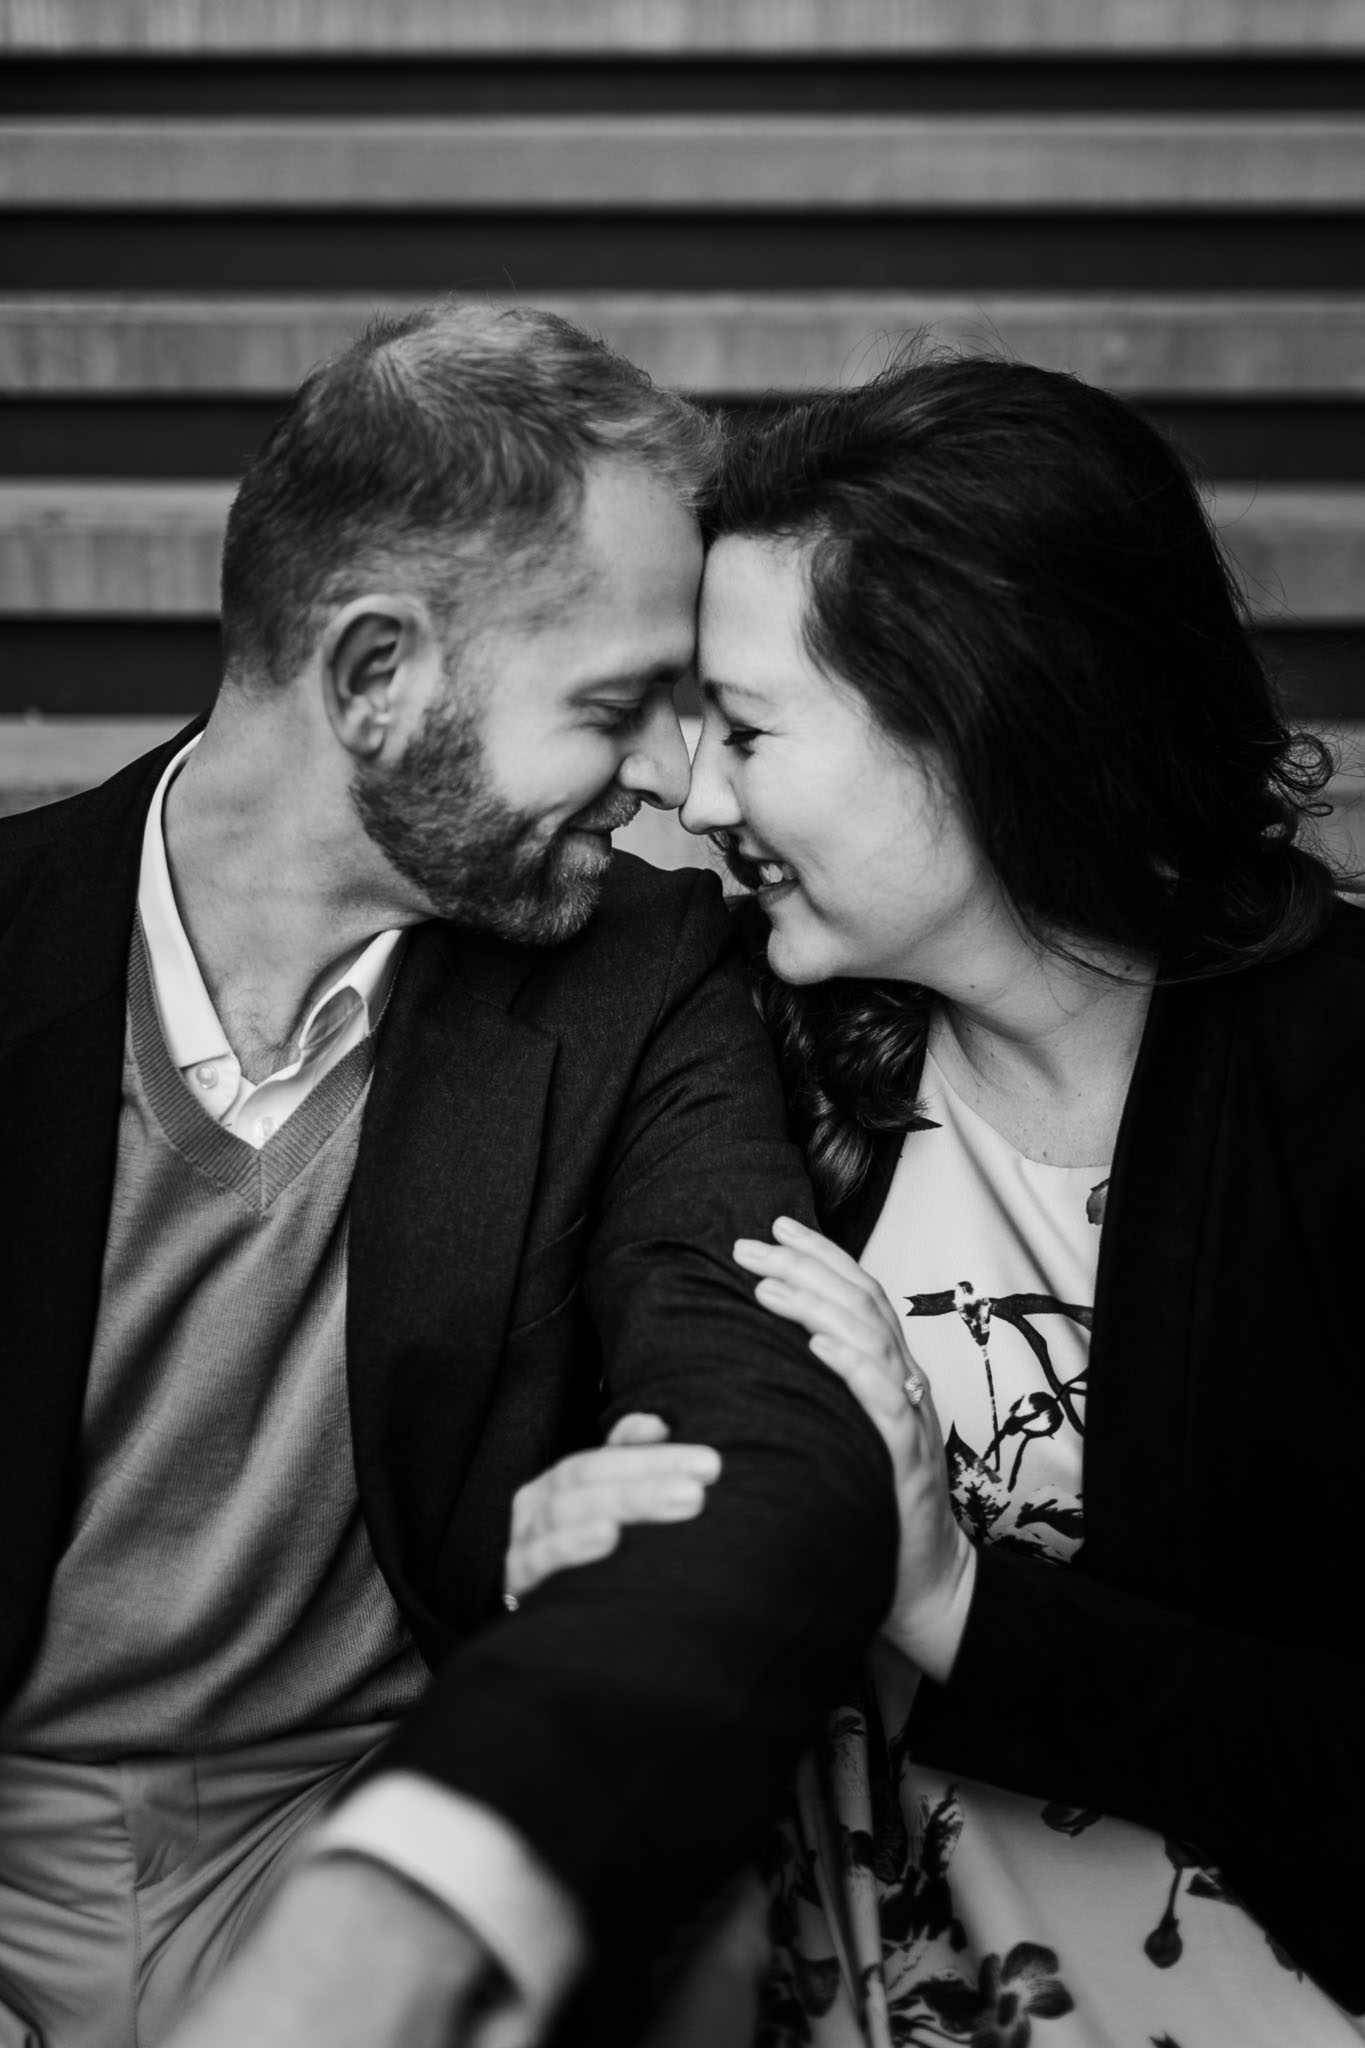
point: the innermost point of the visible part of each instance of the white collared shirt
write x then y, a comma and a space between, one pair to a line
341, 1018
462, 1853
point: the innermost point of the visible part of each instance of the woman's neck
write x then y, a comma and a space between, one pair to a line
1045, 1053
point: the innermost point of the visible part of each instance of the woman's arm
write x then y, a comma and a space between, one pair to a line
575, 1512
1047, 1682
855, 1332
1250, 1748
1063, 1688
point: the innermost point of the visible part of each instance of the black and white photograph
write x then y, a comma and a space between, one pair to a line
682, 1023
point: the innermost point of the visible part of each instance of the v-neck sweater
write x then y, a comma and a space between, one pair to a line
218, 1586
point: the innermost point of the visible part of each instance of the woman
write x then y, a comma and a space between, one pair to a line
1072, 1028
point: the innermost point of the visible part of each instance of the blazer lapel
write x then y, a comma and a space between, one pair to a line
63, 972
439, 1209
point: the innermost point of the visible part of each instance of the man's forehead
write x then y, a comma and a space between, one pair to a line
644, 574
581, 634
664, 672
527, 592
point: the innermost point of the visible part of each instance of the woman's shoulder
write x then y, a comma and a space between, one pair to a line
1334, 960
1305, 1024
1346, 931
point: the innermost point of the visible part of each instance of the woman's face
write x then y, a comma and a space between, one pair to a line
863, 864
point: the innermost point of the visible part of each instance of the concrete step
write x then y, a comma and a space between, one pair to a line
933, 164
152, 549
784, 28
1219, 346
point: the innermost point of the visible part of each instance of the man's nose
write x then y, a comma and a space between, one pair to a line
710, 805
657, 766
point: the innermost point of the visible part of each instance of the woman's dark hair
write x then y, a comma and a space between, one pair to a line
1017, 573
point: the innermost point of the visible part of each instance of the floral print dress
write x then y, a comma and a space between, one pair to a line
915, 1908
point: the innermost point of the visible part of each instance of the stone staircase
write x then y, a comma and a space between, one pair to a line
200, 197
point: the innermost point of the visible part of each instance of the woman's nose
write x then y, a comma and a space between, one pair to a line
711, 805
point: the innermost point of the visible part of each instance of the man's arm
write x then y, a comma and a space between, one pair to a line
350, 1956
635, 1724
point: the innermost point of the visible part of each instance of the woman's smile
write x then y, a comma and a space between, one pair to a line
775, 881
861, 861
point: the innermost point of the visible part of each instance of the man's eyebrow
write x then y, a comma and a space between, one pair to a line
661, 674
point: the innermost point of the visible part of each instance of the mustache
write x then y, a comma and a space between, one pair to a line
607, 817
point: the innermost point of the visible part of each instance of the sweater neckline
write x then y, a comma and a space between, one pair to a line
256, 1174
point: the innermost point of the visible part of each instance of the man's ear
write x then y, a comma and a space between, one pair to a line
377, 656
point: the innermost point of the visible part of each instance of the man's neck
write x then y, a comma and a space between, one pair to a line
275, 894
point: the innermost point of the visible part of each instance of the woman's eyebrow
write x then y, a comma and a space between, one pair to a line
714, 686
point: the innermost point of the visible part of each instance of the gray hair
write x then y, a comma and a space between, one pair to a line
440, 445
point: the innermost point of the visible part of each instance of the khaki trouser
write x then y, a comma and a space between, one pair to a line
125, 1887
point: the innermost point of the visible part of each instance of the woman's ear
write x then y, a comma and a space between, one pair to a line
376, 654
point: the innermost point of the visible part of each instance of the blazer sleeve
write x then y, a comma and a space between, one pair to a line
637, 1720
1068, 1690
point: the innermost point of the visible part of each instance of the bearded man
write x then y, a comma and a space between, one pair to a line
372, 1135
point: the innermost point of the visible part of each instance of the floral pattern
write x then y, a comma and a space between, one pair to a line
910, 1910
992, 1502
898, 1917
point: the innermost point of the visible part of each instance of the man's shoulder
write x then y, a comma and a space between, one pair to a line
633, 886
655, 934
80, 853
24, 834
649, 913
26, 837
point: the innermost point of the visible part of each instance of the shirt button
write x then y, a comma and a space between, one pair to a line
265, 1127
207, 1075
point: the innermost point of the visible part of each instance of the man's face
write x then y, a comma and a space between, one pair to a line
555, 723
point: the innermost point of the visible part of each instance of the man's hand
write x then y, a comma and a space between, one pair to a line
348, 1956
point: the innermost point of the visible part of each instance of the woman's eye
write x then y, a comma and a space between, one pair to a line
742, 737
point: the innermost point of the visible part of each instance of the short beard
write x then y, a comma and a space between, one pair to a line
478, 862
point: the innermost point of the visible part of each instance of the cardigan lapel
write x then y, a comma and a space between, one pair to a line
439, 1207
852, 1222
63, 972
1142, 1378
1144, 1374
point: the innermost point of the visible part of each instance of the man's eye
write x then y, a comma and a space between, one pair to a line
742, 737
620, 717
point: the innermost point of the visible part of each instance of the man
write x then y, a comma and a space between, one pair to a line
370, 1137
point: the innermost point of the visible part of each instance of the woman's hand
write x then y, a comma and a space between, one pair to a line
574, 1513
855, 1331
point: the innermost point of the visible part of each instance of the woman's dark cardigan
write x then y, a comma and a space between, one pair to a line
1200, 1668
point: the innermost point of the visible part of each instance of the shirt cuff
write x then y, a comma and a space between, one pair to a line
469, 1859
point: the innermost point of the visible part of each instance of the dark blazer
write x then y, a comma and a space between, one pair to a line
559, 1147
1201, 1667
